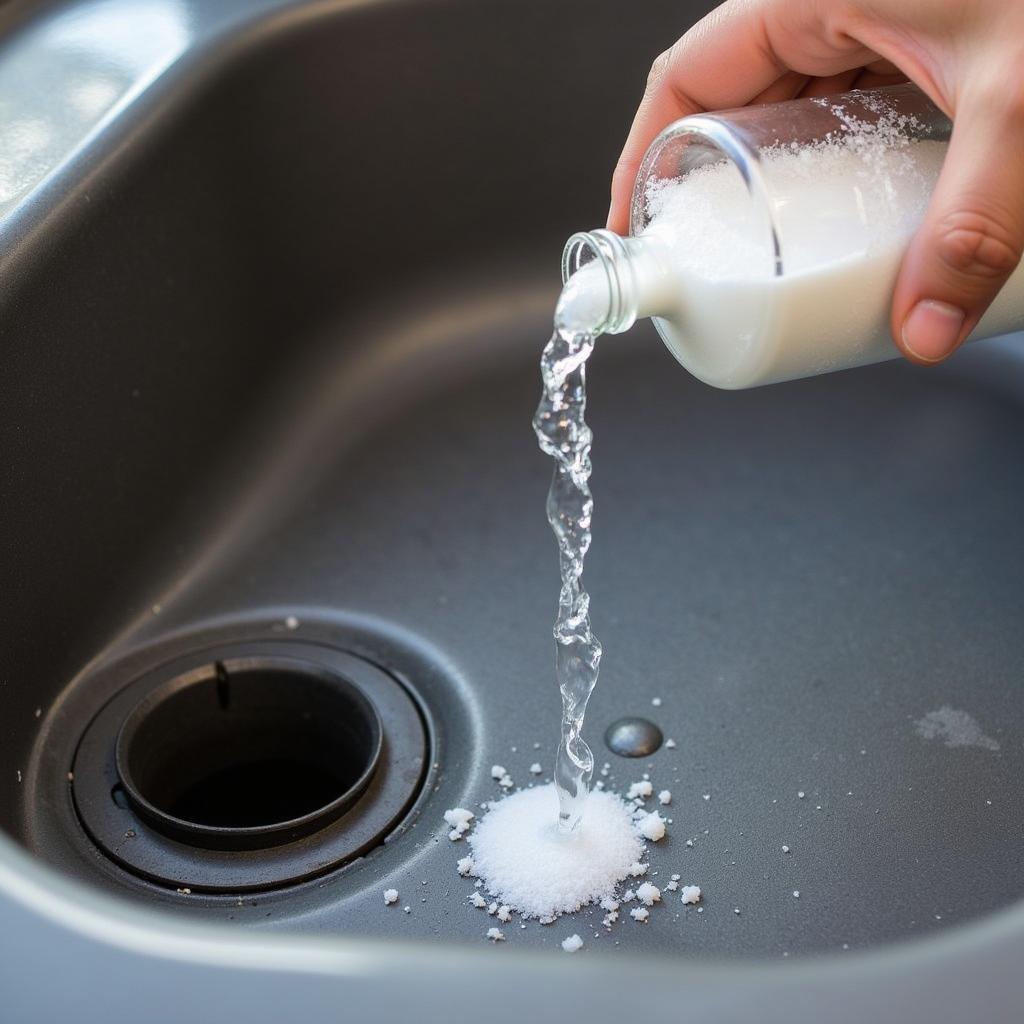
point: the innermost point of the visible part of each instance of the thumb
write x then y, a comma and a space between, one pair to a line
973, 232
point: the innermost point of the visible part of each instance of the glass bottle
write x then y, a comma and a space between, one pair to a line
765, 241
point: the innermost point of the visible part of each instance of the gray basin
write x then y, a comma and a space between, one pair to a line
275, 279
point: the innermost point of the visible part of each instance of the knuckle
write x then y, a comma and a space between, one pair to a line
999, 93
977, 244
659, 69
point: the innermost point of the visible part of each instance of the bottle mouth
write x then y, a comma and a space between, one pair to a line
597, 280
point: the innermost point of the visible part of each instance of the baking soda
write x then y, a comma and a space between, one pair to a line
640, 790
648, 894
528, 863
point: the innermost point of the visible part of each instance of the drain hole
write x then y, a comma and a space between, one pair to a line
248, 753
253, 793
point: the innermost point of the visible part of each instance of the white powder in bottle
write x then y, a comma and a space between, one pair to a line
844, 209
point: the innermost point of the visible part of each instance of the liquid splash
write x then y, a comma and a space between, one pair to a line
562, 433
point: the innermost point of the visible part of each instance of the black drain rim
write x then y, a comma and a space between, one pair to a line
150, 845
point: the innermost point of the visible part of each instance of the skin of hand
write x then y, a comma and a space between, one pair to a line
967, 55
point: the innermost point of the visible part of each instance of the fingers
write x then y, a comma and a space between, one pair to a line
973, 233
869, 79
831, 84
787, 87
722, 61
728, 59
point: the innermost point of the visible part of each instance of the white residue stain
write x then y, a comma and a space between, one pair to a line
955, 729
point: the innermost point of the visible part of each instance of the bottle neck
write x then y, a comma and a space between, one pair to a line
609, 282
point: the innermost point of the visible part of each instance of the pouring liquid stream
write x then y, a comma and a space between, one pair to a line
562, 433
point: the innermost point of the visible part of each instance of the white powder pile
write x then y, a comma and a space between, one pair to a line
639, 790
525, 861
390, 896
495, 935
652, 826
459, 819
690, 894
648, 894
571, 944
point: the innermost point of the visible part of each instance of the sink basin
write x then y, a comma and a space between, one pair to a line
272, 313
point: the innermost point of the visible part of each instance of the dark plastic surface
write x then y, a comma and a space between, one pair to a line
291, 372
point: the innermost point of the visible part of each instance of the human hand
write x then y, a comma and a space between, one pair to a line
967, 55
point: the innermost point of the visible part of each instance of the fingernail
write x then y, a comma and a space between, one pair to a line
932, 329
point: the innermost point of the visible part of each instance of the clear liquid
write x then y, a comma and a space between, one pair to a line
562, 433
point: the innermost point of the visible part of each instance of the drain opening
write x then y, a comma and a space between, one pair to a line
248, 752
249, 766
